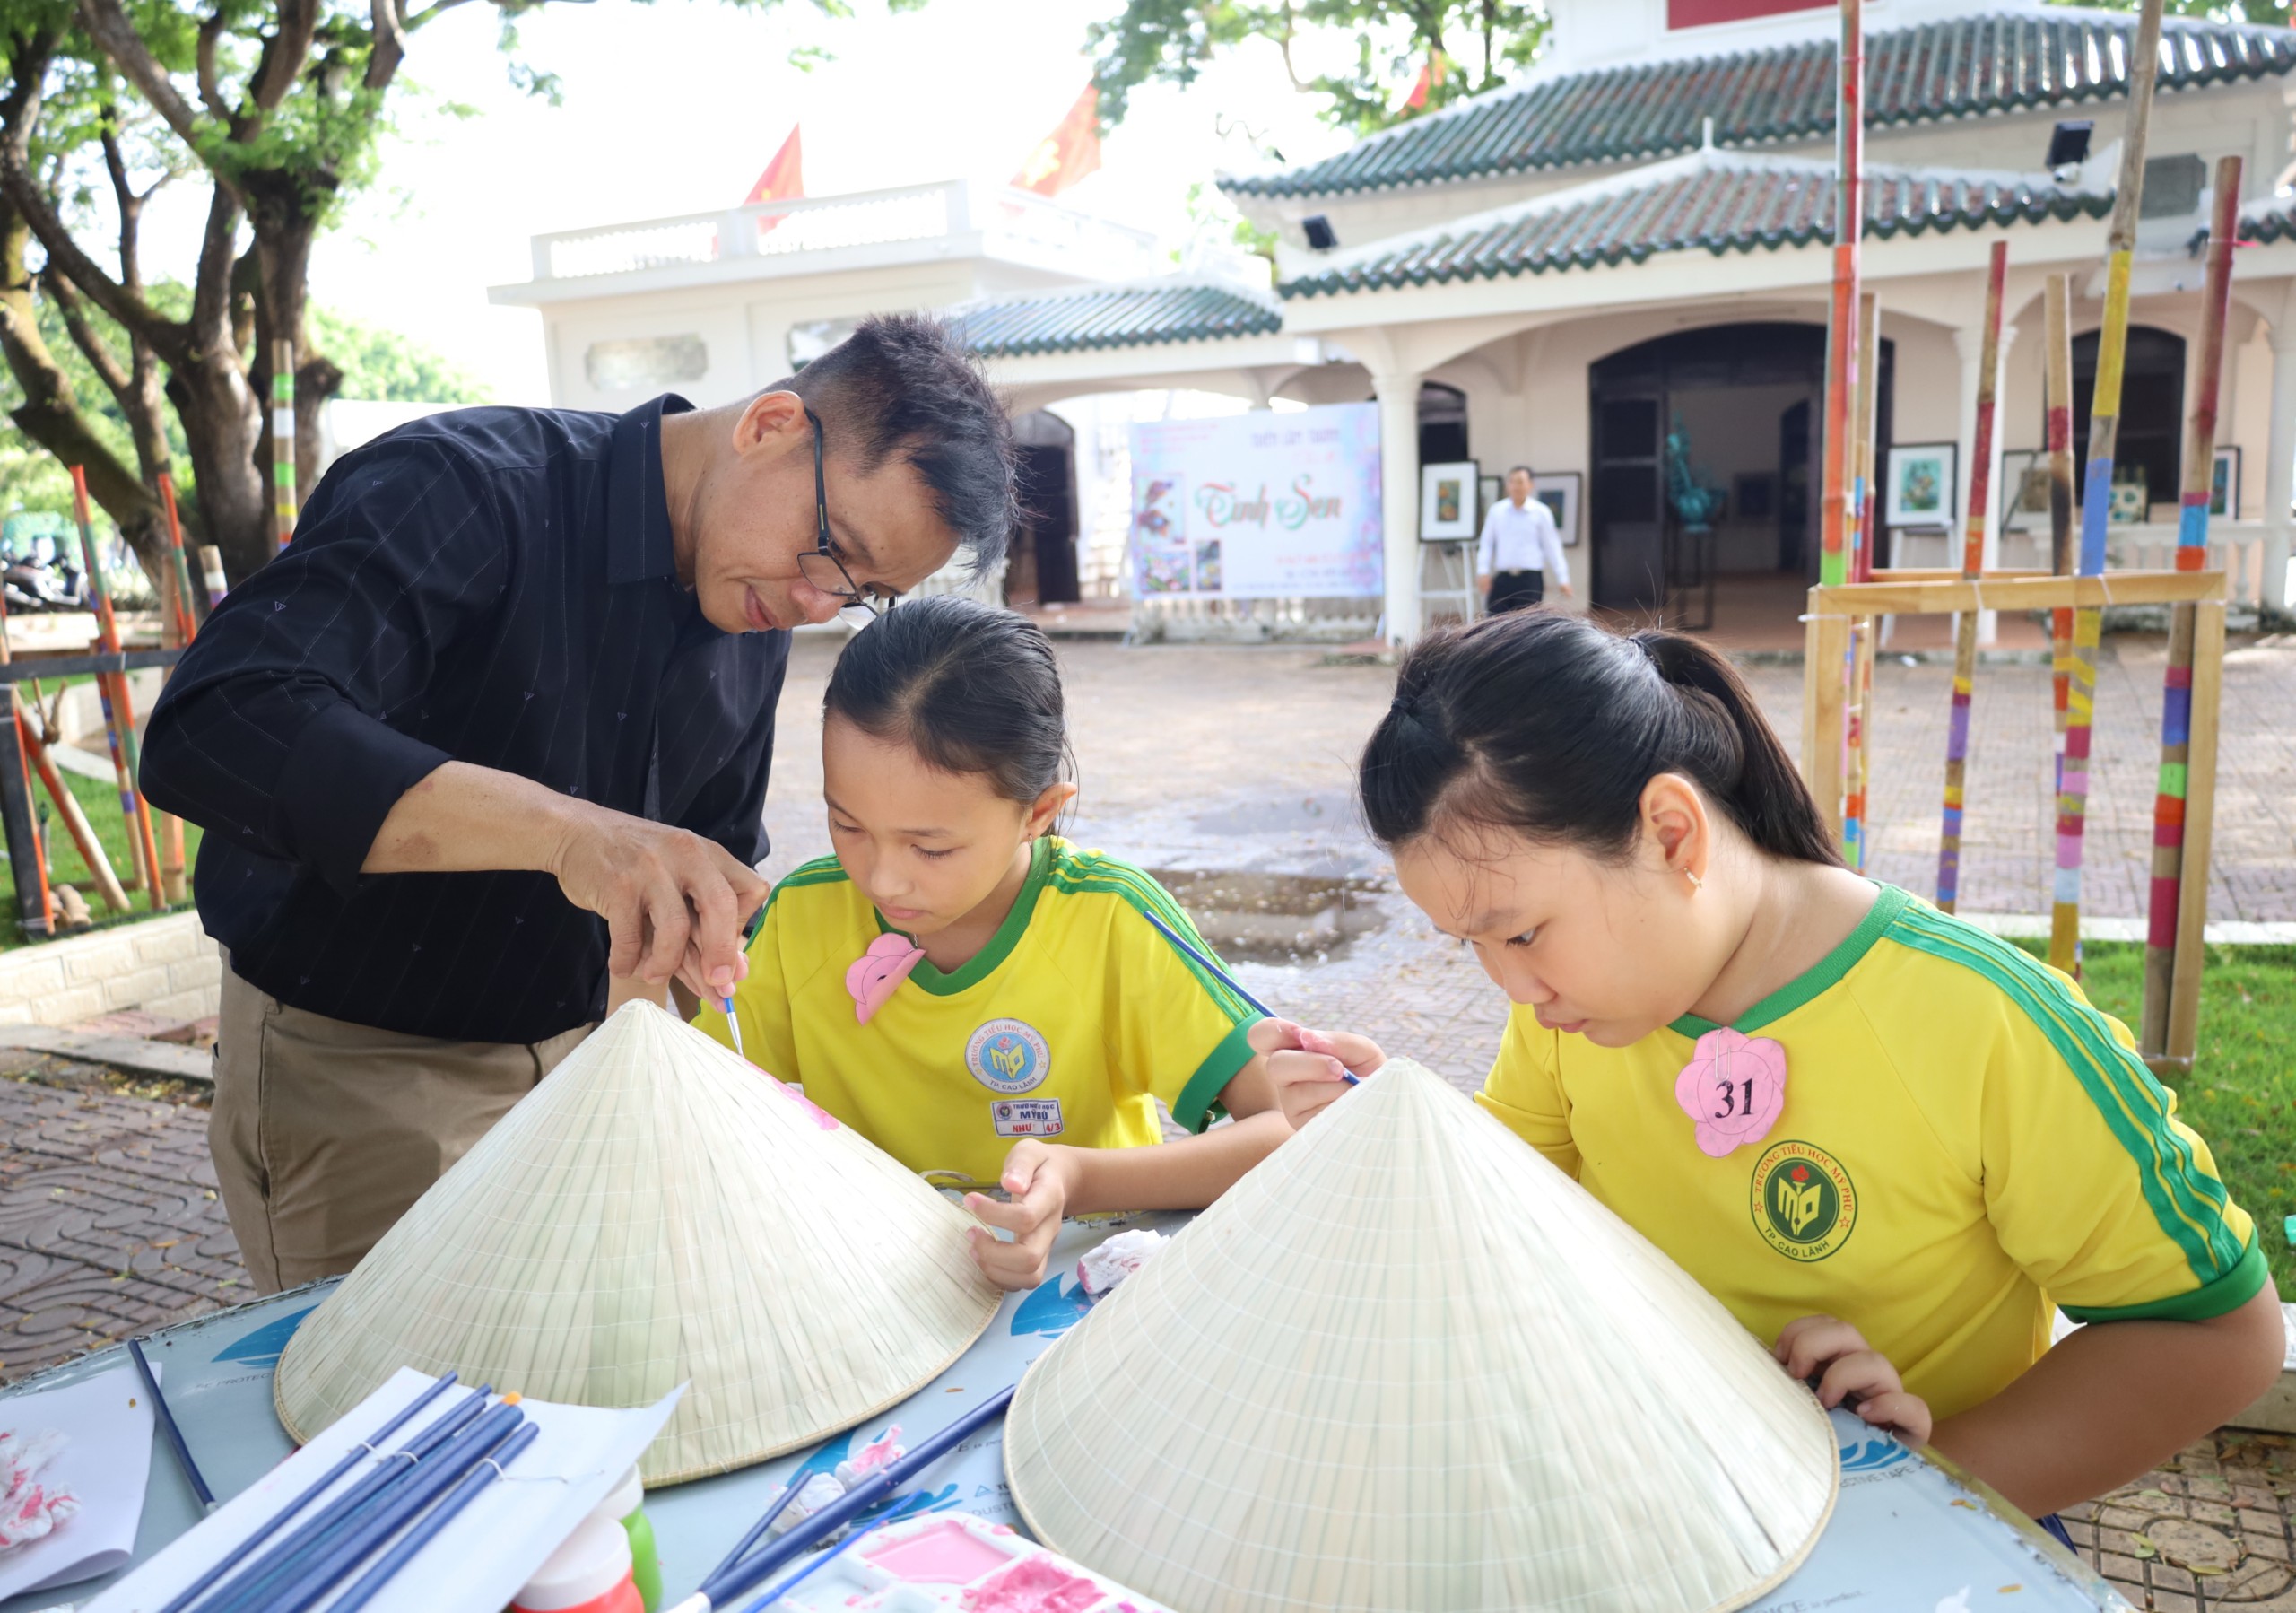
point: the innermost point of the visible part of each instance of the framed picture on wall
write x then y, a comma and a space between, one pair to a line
2024, 490
1447, 502
1920, 486
1558, 491
2224, 484
1494, 488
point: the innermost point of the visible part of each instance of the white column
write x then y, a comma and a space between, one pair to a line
1398, 395
2280, 462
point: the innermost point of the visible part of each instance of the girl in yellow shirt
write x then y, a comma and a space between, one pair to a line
1886, 1140
984, 1001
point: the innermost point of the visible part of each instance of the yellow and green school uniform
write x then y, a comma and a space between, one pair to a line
1070, 1025
1964, 1141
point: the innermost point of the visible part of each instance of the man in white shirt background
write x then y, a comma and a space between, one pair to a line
1520, 549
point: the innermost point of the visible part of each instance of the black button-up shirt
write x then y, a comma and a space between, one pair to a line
491, 586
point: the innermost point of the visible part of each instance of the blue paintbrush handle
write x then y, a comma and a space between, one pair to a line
774, 1593
810, 1531
322, 1570
259, 1576
757, 1531
426, 1529
311, 1492
167, 1422
1210, 967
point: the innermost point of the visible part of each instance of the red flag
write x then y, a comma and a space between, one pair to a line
1430, 76
1068, 153
784, 179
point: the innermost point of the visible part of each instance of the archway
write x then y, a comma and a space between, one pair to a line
1747, 399
2150, 437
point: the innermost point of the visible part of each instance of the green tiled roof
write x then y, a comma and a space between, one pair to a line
1720, 201
1112, 317
1958, 67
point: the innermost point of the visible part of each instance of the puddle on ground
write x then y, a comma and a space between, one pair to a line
1276, 917
1280, 816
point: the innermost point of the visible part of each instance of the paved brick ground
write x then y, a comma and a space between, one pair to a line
1201, 758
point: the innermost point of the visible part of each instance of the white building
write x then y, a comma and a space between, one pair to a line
1632, 238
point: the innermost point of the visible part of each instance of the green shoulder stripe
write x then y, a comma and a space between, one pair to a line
1091, 873
2188, 1202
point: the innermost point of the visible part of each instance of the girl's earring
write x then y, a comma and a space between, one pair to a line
1696, 884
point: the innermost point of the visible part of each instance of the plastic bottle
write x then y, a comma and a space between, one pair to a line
588, 1574
626, 1505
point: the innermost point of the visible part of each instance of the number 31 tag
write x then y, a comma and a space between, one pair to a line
1734, 1089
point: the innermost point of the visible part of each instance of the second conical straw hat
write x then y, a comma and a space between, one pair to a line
659, 1212
1406, 1364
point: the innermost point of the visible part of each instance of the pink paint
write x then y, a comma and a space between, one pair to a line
877, 973
1033, 1585
946, 1554
821, 1116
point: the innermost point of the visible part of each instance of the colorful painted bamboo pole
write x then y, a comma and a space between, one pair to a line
2097, 478
1973, 531
283, 434
1858, 707
2192, 555
211, 574
1842, 332
2065, 896
187, 612
118, 704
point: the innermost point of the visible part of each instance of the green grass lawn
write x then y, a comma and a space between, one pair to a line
2242, 1093
101, 801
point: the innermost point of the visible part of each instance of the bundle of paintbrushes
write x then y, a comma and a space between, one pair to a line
744, 1569
350, 1548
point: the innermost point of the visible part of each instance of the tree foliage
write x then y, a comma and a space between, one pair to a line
277, 110
1372, 52
387, 366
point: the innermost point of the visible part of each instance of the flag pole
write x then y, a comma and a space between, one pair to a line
2168, 804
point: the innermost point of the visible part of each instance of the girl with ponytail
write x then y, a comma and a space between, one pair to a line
1888, 1141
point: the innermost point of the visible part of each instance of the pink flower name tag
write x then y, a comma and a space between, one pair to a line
877, 973
1733, 1087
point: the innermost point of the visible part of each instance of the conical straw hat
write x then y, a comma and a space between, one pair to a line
1405, 1364
659, 1212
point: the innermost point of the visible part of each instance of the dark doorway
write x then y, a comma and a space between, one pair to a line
2151, 408
1745, 403
1442, 426
1043, 569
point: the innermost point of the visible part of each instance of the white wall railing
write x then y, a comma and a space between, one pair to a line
1013, 220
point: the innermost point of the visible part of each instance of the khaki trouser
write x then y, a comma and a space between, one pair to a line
324, 1133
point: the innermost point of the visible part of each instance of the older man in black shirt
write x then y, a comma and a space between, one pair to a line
497, 727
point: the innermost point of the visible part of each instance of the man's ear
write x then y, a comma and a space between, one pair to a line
772, 421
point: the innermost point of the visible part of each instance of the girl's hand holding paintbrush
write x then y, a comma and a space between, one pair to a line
1310, 1069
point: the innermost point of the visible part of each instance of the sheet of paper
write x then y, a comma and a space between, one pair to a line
492, 1546
106, 1423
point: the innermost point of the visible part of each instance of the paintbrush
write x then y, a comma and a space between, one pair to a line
1211, 966
167, 1422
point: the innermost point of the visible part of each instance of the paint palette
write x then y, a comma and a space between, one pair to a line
953, 1560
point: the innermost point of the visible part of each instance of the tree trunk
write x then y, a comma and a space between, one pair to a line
283, 250
221, 425
51, 412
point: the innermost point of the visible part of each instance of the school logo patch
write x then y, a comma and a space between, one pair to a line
1008, 1056
1804, 1203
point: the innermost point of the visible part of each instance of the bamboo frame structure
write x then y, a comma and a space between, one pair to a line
186, 626
1863, 495
2065, 895
118, 705
1839, 518
282, 435
1826, 638
1973, 529
2192, 552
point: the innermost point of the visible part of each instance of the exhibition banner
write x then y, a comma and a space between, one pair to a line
1258, 505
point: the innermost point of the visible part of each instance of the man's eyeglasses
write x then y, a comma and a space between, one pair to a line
821, 566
